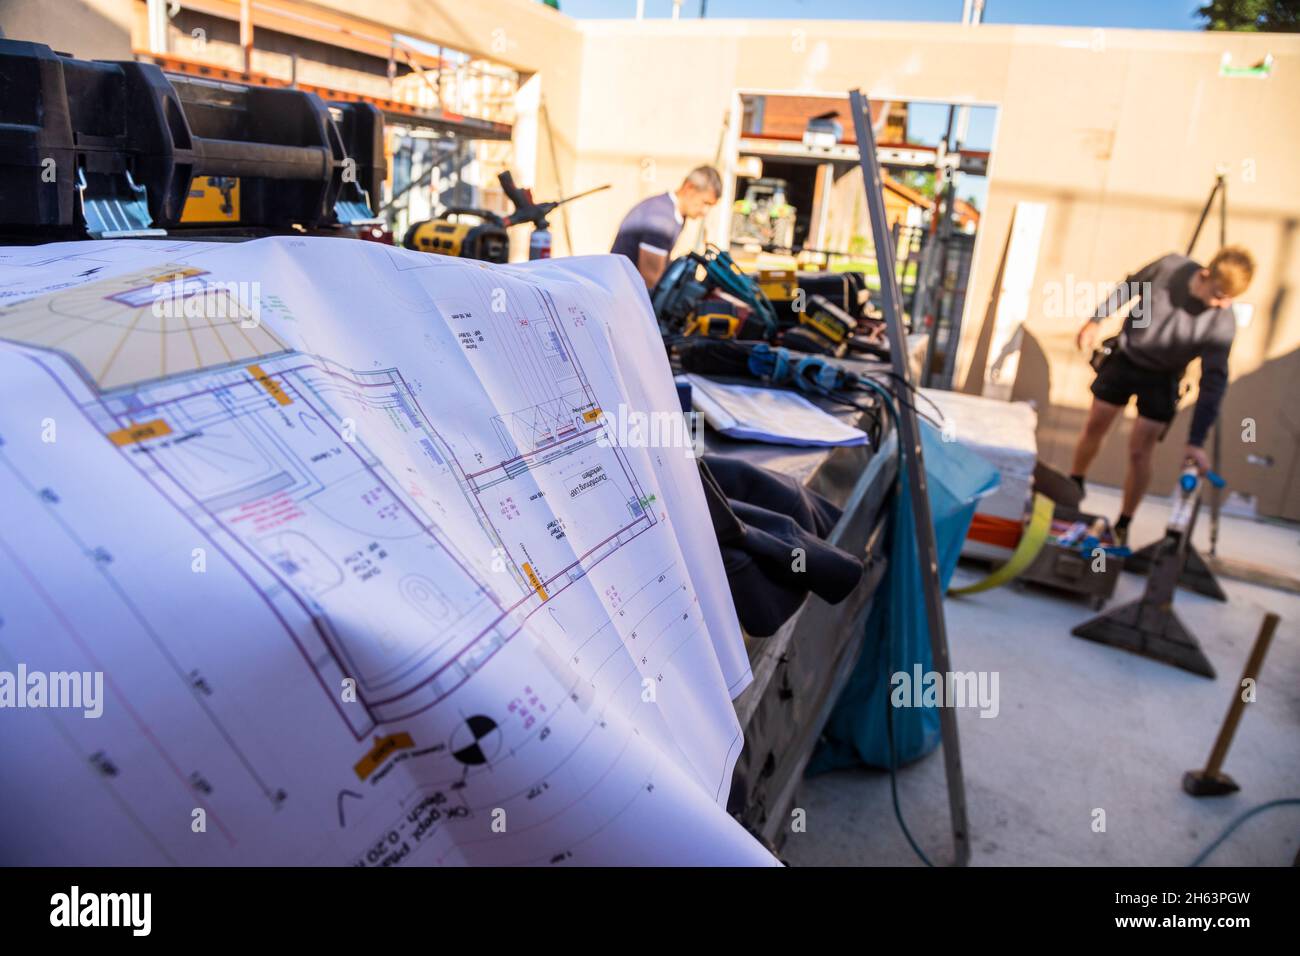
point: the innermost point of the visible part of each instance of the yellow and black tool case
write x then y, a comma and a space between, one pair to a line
99, 149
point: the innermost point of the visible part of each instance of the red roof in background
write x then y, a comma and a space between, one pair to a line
965, 212
907, 192
786, 117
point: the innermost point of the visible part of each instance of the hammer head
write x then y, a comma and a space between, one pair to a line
1199, 783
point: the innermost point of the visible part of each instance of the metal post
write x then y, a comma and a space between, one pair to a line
156, 11
555, 169
913, 463
1216, 500
1216, 494
246, 33
1205, 211
945, 191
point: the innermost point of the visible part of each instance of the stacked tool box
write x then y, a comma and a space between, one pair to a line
115, 149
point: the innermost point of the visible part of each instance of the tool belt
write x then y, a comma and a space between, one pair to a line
1112, 347
1100, 356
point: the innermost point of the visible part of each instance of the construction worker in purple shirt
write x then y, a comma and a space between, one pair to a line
650, 230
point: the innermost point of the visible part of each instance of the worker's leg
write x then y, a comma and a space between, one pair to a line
1141, 450
1100, 417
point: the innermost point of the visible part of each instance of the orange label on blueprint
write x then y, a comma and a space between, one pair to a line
270, 384
134, 434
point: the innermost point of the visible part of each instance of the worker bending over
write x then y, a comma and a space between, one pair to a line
649, 232
1183, 311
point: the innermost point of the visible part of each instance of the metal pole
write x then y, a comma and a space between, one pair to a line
945, 191
156, 11
246, 33
1221, 190
555, 167
1216, 494
1223, 211
1209, 204
913, 463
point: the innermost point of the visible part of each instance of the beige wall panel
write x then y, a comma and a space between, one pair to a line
92, 29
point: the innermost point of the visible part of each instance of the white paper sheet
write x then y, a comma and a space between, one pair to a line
367, 583
774, 415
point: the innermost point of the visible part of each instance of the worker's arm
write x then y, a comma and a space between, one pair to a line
651, 262
1209, 396
1090, 331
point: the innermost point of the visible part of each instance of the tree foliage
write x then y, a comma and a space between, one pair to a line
1262, 16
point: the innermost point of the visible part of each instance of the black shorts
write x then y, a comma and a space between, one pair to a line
1119, 380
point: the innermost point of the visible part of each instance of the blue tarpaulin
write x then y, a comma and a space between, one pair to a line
897, 635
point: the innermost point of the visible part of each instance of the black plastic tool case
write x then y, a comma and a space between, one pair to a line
133, 138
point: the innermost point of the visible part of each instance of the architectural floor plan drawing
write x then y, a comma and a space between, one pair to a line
344, 529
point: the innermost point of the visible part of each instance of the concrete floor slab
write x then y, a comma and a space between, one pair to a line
1085, 727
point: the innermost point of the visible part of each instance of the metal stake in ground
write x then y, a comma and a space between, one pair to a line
913, 461
1149, 625
1212, 781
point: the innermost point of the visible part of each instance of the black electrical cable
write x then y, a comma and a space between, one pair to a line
889, 662
911, 406
1204, 854
893, 775
915, 390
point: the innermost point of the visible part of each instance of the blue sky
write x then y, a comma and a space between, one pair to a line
1136, 14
